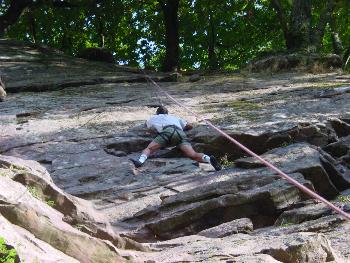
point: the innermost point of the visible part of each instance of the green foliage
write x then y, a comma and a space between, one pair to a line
235, 31
11, 170
285, 144
14, 169
243, 105
34, 191
50, 203
225, 162
343, 198
6, 255
4, 172
286, 223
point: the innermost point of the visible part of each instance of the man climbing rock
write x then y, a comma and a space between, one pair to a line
170, 131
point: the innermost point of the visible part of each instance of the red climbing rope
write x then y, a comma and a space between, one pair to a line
269, 165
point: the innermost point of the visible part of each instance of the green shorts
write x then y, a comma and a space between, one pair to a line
171, 136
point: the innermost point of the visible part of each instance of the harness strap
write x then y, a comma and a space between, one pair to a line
167, 137
171, 126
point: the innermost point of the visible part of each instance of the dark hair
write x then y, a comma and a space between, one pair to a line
162, 110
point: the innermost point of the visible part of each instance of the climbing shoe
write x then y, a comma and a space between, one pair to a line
137, 163
215, 163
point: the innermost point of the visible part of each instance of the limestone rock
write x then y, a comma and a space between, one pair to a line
194, 78
28, 247
312, 62
306, 213
307, 160
339, 148
2, 90
257, 195
341, 127
243, 225
24, 210
85, 134
262, 138
335, 92
298, 247
35, 203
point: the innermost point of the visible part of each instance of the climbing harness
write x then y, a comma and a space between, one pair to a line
166, 137
268, 164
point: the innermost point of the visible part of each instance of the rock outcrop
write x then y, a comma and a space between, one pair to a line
311, 62
2, 90
69, 192
31, 201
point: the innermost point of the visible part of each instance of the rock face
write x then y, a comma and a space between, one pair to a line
308, 161
243, 225
32, 202
69, 191
2, 90
311, 62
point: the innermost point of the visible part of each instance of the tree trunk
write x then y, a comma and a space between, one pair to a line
171, 21
300, 26
212, 58
101, 34
282, 18
13, 13
32, 26
318, 33
336, 42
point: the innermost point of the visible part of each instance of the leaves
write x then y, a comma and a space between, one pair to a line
228, 33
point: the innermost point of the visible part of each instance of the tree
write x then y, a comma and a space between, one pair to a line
196, 34
17, 7
299, 29
208, 11
171, 21
14, 11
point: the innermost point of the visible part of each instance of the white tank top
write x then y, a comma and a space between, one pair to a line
161, 120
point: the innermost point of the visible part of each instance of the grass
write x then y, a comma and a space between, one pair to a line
343, 198
10, 171
235, 111
50, 203
285, 144
34, 191
7, 255
286, 223
225, 162
4, 172
243, 105
14, 168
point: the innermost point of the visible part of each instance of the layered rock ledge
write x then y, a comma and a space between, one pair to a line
69, 192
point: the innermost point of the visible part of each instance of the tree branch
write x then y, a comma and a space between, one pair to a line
325, 17
162, 4
13, 13
281, 17
63, 4
17, 8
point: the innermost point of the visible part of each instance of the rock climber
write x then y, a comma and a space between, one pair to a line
170, 132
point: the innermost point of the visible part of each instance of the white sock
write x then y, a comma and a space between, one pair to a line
206, 158
143, 158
